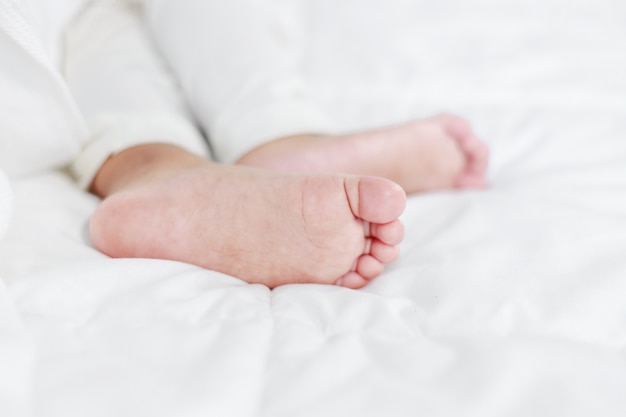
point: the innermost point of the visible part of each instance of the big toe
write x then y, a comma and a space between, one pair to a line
476, 152
375, 199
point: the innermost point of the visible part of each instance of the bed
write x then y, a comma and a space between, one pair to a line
509, 301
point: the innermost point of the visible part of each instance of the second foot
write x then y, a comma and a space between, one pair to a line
436, 153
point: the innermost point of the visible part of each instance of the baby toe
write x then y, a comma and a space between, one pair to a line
352, 280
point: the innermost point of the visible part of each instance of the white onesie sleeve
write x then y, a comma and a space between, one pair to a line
237, 61
122, 87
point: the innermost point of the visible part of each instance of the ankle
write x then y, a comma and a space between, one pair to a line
280, 146
139, 164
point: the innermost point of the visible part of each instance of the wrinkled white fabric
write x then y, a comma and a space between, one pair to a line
239, 64
77, 89
122, 87
82, 81
40, 124
16, 360
6, 203
16, 352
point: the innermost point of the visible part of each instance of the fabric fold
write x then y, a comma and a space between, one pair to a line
6, 203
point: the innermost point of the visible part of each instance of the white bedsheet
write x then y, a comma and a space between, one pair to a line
507, 302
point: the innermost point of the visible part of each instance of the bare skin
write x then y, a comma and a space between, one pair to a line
431, 154
258, 225
275, 228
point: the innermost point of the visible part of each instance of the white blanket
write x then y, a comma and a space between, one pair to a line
507, 302
6, 203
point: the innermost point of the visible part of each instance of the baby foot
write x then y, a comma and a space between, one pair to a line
261, 226
424, 155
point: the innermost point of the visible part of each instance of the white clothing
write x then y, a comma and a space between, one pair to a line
237, 62
80, 81
107, 91
244, 85
123, 88
40, 124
